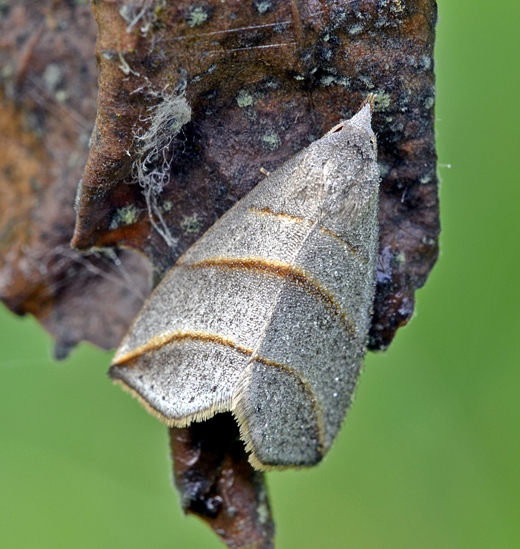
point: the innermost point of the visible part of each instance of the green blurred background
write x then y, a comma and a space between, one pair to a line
430, 454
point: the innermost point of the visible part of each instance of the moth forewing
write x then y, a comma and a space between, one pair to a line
267, 314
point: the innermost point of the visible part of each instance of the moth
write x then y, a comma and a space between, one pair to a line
266, 316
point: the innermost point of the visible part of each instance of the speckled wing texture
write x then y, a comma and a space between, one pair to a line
267, 314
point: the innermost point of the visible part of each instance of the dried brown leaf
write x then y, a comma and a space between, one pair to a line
47, 109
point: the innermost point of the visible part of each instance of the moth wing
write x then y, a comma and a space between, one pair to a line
186, 350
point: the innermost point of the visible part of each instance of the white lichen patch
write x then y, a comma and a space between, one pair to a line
6, 71
332, 80
61, 96
328, 80
191, 224
429, 102
52, 76
262, 7
271, 139
343, 81
426, 178
356, 29
127, 215
382, 101
197, 16
428, 241
262, 509
366, 81
167, 206
245, 99
327, 54
426, 62
263, 513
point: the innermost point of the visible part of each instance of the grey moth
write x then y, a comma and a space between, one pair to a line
266, 316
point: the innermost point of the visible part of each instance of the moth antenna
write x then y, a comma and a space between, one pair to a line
336, 128
370, 100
